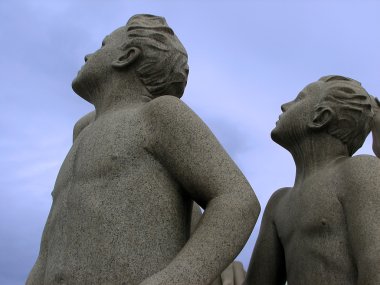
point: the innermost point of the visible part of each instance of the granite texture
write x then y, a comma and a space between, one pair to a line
234, 274
376, 127
325, 229
122, 201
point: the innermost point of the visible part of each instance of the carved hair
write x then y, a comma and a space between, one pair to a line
351, 107
163, 68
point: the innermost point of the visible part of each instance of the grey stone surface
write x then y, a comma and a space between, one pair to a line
123, 197
234, 274
325, 229
376, 127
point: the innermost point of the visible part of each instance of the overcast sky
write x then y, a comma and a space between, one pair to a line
246, 58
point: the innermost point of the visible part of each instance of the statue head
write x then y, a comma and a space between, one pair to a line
163, 65
334, 105
148, 46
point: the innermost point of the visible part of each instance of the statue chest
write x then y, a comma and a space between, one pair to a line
105, 150
313, 212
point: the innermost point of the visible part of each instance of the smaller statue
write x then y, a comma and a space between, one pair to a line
325, 229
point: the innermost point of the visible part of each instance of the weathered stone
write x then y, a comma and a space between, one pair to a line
123, 197
325, 229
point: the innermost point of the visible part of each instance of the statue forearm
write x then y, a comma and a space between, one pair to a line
225, 227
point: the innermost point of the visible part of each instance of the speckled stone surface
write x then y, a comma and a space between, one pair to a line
122, 201
325, 229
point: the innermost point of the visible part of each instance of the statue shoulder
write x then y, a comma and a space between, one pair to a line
170, 112
275, 200
361, 165
360, 174
83, 123
166, 104
278, 195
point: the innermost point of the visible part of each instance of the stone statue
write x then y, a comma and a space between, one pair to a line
123, 197
376, 127
234, 274
325, 229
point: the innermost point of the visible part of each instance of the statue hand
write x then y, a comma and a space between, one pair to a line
151, 281
234, 274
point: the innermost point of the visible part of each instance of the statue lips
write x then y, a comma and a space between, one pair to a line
279, 118
81, 68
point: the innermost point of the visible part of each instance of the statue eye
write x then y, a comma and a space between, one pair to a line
300, 96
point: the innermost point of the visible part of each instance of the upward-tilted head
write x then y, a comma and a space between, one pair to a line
336, 105
351, 110
163, 67
146, 45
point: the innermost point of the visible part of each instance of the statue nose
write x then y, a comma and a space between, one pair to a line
285, 106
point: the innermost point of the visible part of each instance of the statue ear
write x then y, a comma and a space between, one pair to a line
130, 55
322, 118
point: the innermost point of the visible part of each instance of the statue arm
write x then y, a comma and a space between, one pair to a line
376, 126
361, 204
267, 265
376, 134
234, 274
188, 149
196, 216
83, 123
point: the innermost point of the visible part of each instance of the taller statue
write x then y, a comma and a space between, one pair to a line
325, 229
123, 197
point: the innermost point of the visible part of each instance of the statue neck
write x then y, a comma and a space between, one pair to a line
315, 153
119, 94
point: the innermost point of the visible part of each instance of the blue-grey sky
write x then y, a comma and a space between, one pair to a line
246, 58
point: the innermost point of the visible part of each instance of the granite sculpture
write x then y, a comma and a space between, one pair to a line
376, 128
123, 197
325, 229
234, 274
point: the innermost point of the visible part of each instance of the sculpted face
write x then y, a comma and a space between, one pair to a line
292, 125
98, 67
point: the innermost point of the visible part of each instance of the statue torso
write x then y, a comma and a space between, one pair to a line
114, 205
312, 229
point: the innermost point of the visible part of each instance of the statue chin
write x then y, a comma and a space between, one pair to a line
79, 88
74, 85
278, 137
275, 136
